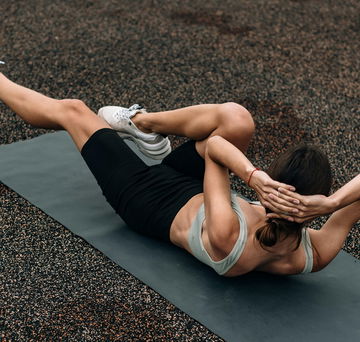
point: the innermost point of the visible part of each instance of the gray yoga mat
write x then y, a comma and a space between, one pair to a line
49, 172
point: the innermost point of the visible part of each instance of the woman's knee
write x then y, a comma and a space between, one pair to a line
72, 109
73, 106
236, 121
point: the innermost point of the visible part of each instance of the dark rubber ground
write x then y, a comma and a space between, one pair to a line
294, 64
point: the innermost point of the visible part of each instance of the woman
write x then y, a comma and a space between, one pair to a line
187, 199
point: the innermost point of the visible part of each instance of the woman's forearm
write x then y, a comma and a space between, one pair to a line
346, 195
229, 156
329, 240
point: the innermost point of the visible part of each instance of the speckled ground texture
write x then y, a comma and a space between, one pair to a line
293, 64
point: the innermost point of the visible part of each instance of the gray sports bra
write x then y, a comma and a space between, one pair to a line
309, 259
221, 267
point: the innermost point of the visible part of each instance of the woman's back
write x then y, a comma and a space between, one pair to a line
280, 258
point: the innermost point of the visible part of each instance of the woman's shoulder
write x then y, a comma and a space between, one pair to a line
285, 258
284, 265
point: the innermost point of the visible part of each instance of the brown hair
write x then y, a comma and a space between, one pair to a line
308, 170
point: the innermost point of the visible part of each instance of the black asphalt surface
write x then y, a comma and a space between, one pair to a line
294, 64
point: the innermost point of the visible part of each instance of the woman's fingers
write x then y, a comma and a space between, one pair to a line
262, 183
275, 185
277, 201
282, 207
290, 194
287, 187
277, 214
261, 198
283, 203
283, 199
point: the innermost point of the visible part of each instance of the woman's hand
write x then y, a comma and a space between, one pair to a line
308, 207
266, 188
312, 206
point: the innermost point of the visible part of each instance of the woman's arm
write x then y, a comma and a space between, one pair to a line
347, 194
222, 225
229, 156
330, 238
312, 206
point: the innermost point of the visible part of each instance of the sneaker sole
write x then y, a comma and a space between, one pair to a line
158, 154
162, 145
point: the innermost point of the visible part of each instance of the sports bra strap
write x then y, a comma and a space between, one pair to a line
306, 242
197, 247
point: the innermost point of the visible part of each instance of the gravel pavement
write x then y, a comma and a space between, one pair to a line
294, 64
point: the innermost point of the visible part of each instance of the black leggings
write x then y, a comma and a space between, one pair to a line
146, 197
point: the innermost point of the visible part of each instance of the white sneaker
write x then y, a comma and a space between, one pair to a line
1, 62
152, 145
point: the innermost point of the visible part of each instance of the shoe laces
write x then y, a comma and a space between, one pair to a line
125, 113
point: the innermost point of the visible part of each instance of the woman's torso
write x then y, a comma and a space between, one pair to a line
280, 258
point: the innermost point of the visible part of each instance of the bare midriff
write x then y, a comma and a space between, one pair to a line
182, 222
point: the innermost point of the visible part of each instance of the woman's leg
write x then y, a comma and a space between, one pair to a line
42, 111
229, 120
119, 172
